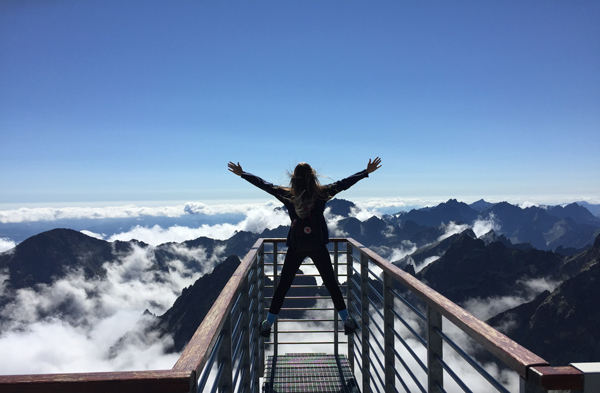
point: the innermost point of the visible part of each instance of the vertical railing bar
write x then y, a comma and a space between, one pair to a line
275, 282
349, 283
218, 378
224, 357
388, 328
260, 349
238, 370
335, 314
364, 293
209, 364
435, 372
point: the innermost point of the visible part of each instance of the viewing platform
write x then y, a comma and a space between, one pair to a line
411, 339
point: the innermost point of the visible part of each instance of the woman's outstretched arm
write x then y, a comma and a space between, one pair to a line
277, 192
348, 182
237, 168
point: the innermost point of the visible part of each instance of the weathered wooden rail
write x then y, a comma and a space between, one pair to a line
226, 353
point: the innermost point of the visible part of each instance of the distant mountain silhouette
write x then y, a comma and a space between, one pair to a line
480, 205
53, 254
452, 210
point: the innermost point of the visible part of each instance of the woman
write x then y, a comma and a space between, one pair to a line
305, 200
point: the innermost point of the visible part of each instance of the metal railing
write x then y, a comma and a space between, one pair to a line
407, 340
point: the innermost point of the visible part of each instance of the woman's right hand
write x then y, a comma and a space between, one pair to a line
235, 168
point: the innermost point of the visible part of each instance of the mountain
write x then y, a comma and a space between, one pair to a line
436, 249
593, 208
470, 269
480, 205
53, 254
562, 326
578, 213
544, 228
188, 311
452, 210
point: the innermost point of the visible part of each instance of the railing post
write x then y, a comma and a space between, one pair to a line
260, 304
349, 286
435, 371
245, 326
275, 279
335, 314
364, 301
254, 318
224, 359
388, 327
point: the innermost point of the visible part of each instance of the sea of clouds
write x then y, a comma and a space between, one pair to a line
97, 313
73, 324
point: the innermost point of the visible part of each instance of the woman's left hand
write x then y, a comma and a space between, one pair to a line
373, 166
235, 168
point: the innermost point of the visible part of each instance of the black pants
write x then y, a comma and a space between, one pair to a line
293, 260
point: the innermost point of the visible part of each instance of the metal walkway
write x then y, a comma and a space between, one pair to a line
314, 372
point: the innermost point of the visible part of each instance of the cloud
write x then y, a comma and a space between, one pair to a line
127, 211
362, 213
452, 228
257, 220
74, 324
481, 226
407, 247
426, 262
157, 235
488, 307
395, 205
6, 244
332, 223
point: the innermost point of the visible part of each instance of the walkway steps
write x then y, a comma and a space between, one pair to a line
309, 372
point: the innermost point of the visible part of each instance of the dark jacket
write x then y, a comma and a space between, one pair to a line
284, 197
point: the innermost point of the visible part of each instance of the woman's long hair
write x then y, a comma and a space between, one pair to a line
305, 189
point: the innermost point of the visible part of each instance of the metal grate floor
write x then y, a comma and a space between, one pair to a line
309, 372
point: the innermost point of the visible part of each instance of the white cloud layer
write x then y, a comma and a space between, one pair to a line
256, 221
6, 244
73, 324
25, 214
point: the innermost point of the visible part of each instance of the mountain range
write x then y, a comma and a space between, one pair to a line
543, 258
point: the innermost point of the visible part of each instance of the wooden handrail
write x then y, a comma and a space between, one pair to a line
163, 381
196, 353
526, 363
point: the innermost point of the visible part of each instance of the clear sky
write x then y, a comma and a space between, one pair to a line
148, 100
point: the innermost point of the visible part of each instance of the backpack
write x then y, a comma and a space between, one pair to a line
304, 234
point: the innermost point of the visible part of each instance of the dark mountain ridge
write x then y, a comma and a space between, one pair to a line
562, 326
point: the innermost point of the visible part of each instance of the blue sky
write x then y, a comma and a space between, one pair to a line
147, 101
